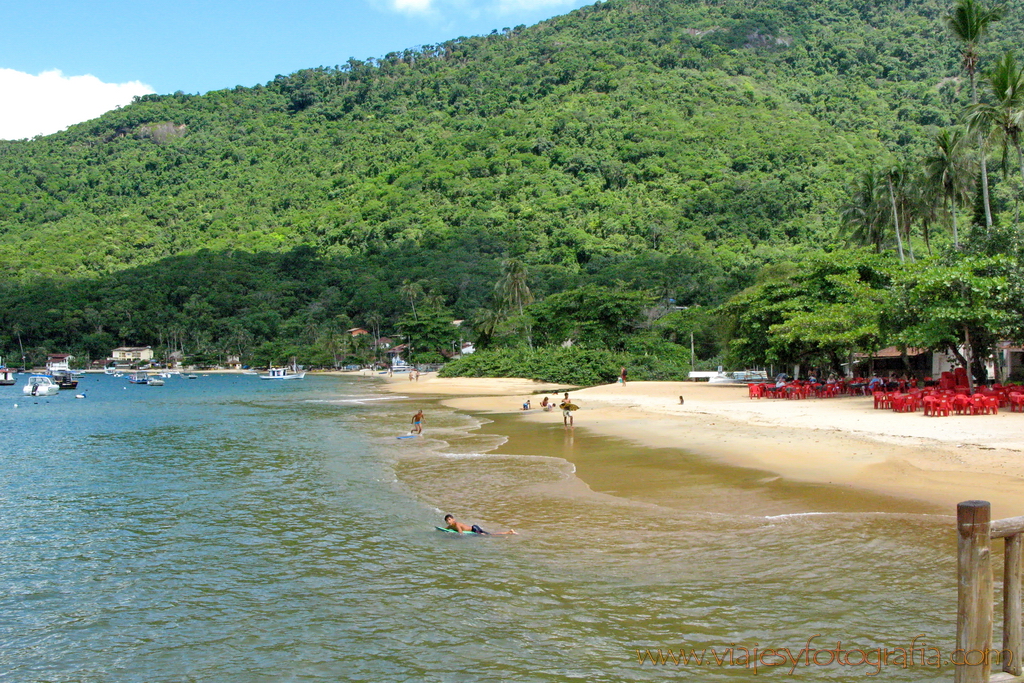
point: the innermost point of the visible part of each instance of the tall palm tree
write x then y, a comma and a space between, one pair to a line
969, 22
896, 177
513, 290
413, 291
924, 201
1003, 116
863, 214
512, 287
948, 169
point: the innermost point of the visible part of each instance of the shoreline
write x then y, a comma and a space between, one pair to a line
840, 441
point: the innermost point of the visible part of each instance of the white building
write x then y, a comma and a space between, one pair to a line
132, 354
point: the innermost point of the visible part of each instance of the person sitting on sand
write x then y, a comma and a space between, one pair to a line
546, 404
526, 404
451, 523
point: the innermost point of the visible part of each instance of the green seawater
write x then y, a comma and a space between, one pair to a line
228, 529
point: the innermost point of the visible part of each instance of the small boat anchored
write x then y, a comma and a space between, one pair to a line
65, 379
6, 375
283, 373
40, 385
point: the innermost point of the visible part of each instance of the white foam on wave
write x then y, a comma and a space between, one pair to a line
354, 399
793, 515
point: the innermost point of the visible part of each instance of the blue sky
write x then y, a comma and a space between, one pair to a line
67, 59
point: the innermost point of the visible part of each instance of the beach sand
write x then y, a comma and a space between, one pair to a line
839, 441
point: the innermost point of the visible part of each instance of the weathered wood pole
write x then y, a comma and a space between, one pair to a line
974, 592
1013, 634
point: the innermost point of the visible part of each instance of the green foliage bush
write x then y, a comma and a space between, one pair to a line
581, 367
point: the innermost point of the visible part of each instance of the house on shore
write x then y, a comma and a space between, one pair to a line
131, 354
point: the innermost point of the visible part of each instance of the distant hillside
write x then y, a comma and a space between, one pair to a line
674, 145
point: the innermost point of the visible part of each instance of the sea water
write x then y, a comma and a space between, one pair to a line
230, 529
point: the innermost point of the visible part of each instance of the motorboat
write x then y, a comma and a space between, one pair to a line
40, 385
6, 376
138, 378
283, 373
155, 381
65, 380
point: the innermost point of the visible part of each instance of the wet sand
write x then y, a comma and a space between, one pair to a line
841, 442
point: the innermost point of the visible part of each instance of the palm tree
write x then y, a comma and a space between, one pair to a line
924, 201
412, 290
374, 320
948, 169
862, 214
513, 291
1003, 116
512, 287
969, 21
896, 182
486, 322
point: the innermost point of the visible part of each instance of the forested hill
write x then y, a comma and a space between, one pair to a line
676, 145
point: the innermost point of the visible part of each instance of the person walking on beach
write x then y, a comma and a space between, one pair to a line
451, 523
622, 375
567, 407
417, 423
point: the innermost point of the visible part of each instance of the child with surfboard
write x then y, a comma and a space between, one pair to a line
460, 528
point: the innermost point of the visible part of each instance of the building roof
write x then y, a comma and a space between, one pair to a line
892, 352
132, 348
59, 356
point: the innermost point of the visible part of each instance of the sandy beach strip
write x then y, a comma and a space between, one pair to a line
842, 441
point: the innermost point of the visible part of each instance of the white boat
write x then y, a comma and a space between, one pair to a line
283, 373
40, 385
155, 381
6, 375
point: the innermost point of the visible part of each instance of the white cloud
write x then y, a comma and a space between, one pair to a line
39, 105
412, 6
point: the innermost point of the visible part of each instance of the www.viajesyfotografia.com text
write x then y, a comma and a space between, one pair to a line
755, 658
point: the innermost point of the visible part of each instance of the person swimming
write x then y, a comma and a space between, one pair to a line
454, 525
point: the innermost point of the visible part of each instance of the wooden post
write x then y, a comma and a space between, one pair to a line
1012, 631
974, 592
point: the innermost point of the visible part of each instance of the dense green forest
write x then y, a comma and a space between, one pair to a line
680, 158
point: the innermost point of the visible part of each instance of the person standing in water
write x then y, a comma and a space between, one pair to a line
566, 411
417, 423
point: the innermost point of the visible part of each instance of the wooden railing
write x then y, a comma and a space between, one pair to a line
975, 531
